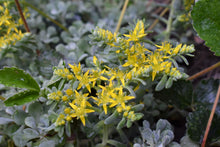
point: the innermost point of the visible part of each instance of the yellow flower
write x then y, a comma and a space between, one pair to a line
95, 60
10, 33
55, 95
60, 120
117, 74
67, 110
103, 98
76, 69
69, 92
79, 98
64, 73
106, 36
132, 61
64, 98
188, 4
80, 111
68, 118
138, 32
165, 48
96, 75
84, 81
120, 99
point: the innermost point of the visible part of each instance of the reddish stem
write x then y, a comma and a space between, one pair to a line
210, 118
22, 16
204, 71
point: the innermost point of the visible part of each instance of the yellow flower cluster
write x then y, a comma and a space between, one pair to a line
78, 108
111, 85
141, 61
64, 73
108, 96
186, 17
9, 32
188, 4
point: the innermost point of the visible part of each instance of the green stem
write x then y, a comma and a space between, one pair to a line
170, 20
105, 135
45, 15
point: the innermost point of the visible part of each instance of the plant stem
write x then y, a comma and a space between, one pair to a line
105, 135
210, 118
204, 71
157, 20
170, 20
45, 15
121, 16
22, 16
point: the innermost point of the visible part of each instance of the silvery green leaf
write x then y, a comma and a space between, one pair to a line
4, 120
136, 145
30, 133
49, 143
19, 117
30, 122
163, 124
137, 107
174, 144
162, 83
167, 137
112, 118
68, 129
82, 57
44, 121
146, 124
10, 110
47, 129
71, 46
51, 30
35, 109
60, 131
187, 142
121, 123
18, 138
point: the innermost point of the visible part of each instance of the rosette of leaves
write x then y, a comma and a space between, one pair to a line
162, 136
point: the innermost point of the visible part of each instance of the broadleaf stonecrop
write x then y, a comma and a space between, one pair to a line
111, 84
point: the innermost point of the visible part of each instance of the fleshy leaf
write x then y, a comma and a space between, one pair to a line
22, 98
15, 77
205, 15
35, 109
19, 117
4, 120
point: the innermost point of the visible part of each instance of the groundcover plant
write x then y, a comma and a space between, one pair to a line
81, 75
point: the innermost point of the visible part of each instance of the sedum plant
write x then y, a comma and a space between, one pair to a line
9, 27
102, 96
161, 137
114, 86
